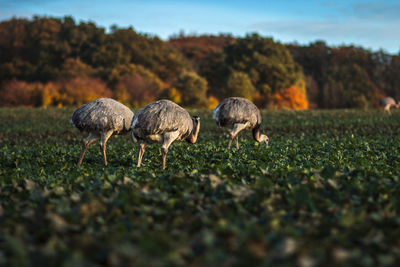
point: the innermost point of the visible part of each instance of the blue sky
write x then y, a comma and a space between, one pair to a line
369, 23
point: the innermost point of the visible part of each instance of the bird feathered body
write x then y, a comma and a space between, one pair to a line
163, 122
237, 110
241, 114
160, 117
101, 118
387, 101
104, 114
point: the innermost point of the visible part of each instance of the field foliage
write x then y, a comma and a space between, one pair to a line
324, 192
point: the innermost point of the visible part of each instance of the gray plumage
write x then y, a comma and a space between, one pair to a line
242, 114
387, 100
387, 103
236, 110
161, 117
102, 118
163, 122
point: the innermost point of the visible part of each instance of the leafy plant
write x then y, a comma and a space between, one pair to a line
325, 191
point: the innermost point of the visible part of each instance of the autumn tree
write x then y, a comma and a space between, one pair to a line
268, 64
348, 86
77, 91
239, 84
74, 67
389, 80
172, 94
215, 69
193, 89
346, 76
135, 85
290, 98
151, 52
315, 62
44, 52
49, 94
19, 93
197, 48
212, 102
136, 90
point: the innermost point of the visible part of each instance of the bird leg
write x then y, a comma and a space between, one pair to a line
168, 139
104, 138
142, 148
230, 142
387, 109
237, 142
237, 127
90, 139
164, 152
231, 138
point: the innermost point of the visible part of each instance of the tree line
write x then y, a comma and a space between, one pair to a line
47, 61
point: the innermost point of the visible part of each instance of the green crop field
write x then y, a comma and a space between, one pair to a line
326, 191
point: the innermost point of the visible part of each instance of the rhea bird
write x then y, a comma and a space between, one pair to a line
242, 114
387, 103
101, 118
163, 122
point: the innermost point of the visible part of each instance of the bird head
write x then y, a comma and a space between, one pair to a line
264, 138
196, 123
196, 119
192, 138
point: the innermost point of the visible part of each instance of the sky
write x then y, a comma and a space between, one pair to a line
371, 24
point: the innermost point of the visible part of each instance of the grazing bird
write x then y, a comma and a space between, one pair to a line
163, 122
387, 103
101, 118
241, 114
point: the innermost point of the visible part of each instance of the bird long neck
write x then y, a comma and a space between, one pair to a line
256, 133
195, 132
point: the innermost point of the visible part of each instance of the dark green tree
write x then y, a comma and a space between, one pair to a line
193, 89
151, 52
216, 71
348, 87
239, 84
268, 64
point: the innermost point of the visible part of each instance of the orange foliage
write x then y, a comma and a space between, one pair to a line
135, 90
78, 91
49, 95
212, 102
18, 93
73, 92
175, 95
291, 98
